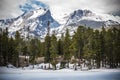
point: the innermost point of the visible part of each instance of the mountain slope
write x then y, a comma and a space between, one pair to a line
36, 21
35, 17
89, 19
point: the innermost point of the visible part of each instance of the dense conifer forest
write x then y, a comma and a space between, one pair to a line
100, 46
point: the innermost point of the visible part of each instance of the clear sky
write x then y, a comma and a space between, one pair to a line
10, 8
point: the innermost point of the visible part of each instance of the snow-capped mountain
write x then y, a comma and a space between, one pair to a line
37, 14
34, 17
90, 19
36, 21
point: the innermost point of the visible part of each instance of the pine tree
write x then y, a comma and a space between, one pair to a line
97, 47
43, 49
18, 47
73, 51
12, 51
115, 52
88, 47
47, 45
53, 50
66, 46
5, 40
118, 47
32, 47
73, 47
47, 49
1, 56
103, 47
25, 52
34, 50
60, 47
109, 45
79, 40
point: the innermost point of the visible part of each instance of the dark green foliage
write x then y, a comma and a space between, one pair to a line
4, 47
60, 47
53, 50
62, 64
47, 48
102, 46
34, 50
66, 46
79, 42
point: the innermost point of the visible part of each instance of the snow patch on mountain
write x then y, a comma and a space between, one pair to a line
36, 21
86, 18
90, 19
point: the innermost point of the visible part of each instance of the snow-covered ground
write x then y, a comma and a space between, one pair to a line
62, 74
5, 70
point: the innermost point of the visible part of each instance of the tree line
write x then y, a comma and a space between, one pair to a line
102, 46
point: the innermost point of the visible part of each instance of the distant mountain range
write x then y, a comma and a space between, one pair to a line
88, 18
37, 14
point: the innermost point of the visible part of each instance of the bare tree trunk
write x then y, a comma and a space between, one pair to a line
75, 66
49, 66
68, 64
34, 62
17, 62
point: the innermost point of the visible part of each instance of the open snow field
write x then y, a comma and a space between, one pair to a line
63, 74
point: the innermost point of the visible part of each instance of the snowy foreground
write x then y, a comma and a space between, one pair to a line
62, 74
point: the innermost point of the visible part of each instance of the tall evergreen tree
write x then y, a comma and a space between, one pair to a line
47, 44
109, 45
53, 50
47, 49
0, 47
34, 50
12, 51
115, 52
103, 47
1, 36
89, 45
18, 47
97, 47
43, 49
118, 47
5, 40
60, 47
66, 46
79, 38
